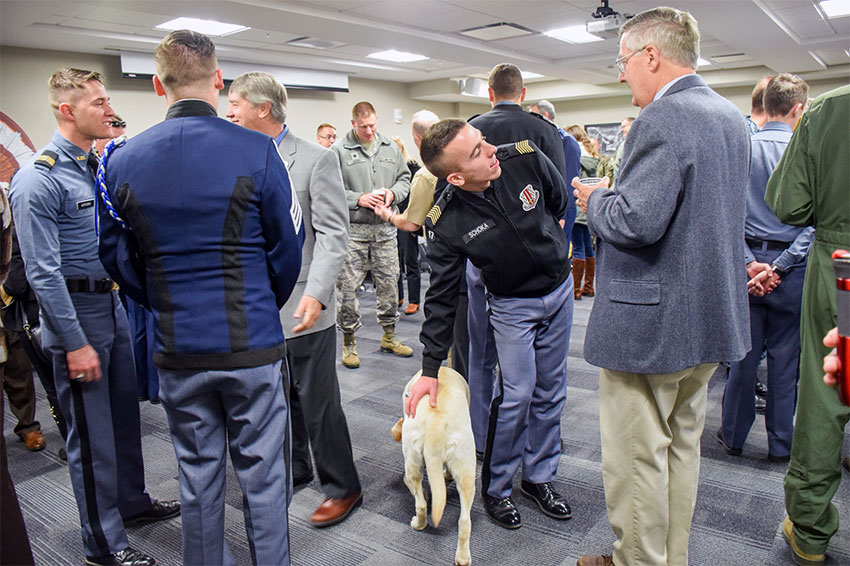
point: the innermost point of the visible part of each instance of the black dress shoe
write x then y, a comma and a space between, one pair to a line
479, 455
159, 511
761, 389
127, 557
729, 450
846, 463
780, 459
760, 405
550, 501
502, 511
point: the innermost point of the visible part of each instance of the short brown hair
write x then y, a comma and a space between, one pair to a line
66, 85
363, 108
783, 92
434, 142
757, 102
183, 59
324, 125
506, 81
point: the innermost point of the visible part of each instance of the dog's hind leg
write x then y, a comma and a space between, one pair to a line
466, 489
413, 480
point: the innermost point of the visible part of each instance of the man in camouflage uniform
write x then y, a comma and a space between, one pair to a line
374, 173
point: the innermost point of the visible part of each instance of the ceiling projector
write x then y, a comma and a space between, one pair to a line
606, 22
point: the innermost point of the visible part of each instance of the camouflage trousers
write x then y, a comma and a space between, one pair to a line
382, 258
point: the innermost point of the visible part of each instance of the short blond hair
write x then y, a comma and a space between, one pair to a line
67, 85
363, 108
674, 32
183, 59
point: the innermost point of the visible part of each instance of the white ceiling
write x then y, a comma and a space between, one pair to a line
772, 35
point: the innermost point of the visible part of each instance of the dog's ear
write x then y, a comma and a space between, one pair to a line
397, 430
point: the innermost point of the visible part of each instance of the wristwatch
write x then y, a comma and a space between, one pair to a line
778, 270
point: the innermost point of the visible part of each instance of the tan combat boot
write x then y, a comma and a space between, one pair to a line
350, 359
390, 343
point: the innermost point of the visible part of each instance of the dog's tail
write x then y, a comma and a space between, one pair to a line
434, 467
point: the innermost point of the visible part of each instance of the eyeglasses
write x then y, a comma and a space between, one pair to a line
118, 124
329, 137
621, 62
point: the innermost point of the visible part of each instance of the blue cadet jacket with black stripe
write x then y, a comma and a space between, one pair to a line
214, 246
511, 232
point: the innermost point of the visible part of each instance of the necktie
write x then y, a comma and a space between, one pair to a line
93, 162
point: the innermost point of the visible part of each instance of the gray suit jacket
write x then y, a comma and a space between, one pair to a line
672, 288
315, 173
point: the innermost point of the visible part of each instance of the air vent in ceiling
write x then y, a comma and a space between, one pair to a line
492, 32
314, 43
731, 58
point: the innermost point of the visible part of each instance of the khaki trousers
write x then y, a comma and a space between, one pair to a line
651, 426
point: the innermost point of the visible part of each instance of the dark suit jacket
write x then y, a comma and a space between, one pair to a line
509, 123
671, 284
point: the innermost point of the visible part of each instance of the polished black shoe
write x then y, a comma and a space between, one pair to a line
550, 501
760, 405
729, 450
780, 459
127, 557
502, 511
846, 463
479, 455
159, 511
761, 389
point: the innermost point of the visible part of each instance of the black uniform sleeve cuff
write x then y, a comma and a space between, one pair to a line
430, 366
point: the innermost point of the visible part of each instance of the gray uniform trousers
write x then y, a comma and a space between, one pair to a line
317, 416
482, 356
104, 440
245, 410
532, 341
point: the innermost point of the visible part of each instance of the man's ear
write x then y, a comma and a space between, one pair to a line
219, 80
67, 111
265, 109
455, 179
522, 94
653, 57
491, 95
157, 86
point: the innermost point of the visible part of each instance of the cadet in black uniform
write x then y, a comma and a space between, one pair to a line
501, 210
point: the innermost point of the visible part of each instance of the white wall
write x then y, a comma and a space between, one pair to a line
23, 97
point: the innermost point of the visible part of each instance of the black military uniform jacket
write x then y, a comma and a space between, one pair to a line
511, 232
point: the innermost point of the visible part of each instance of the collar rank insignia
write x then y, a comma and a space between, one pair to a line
529, 197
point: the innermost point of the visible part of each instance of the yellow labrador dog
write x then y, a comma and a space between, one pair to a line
441, 439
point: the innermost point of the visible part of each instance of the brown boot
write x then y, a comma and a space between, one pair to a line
589, 270
578, 273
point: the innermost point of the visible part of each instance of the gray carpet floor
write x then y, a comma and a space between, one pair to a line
737, 521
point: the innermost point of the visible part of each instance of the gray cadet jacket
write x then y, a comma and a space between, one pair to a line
362, 173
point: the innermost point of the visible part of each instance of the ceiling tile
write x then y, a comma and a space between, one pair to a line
438, 17
124, 17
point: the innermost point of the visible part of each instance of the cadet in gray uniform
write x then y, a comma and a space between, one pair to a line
85, 327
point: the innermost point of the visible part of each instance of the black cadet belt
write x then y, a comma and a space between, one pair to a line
765, 245
89, 286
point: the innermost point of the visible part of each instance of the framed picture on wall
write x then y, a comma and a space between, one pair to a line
608, 135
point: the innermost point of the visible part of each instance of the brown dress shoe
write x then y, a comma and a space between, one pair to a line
34, 441
333, 511
604, 560
412, 308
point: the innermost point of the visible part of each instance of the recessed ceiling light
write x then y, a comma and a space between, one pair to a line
529, 75
702, 62
207, 27
314, 43
397, 56
835, 8
573, 34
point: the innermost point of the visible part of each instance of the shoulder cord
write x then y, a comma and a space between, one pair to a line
101, 187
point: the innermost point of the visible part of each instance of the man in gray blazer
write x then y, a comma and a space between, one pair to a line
672, 297
258, 102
